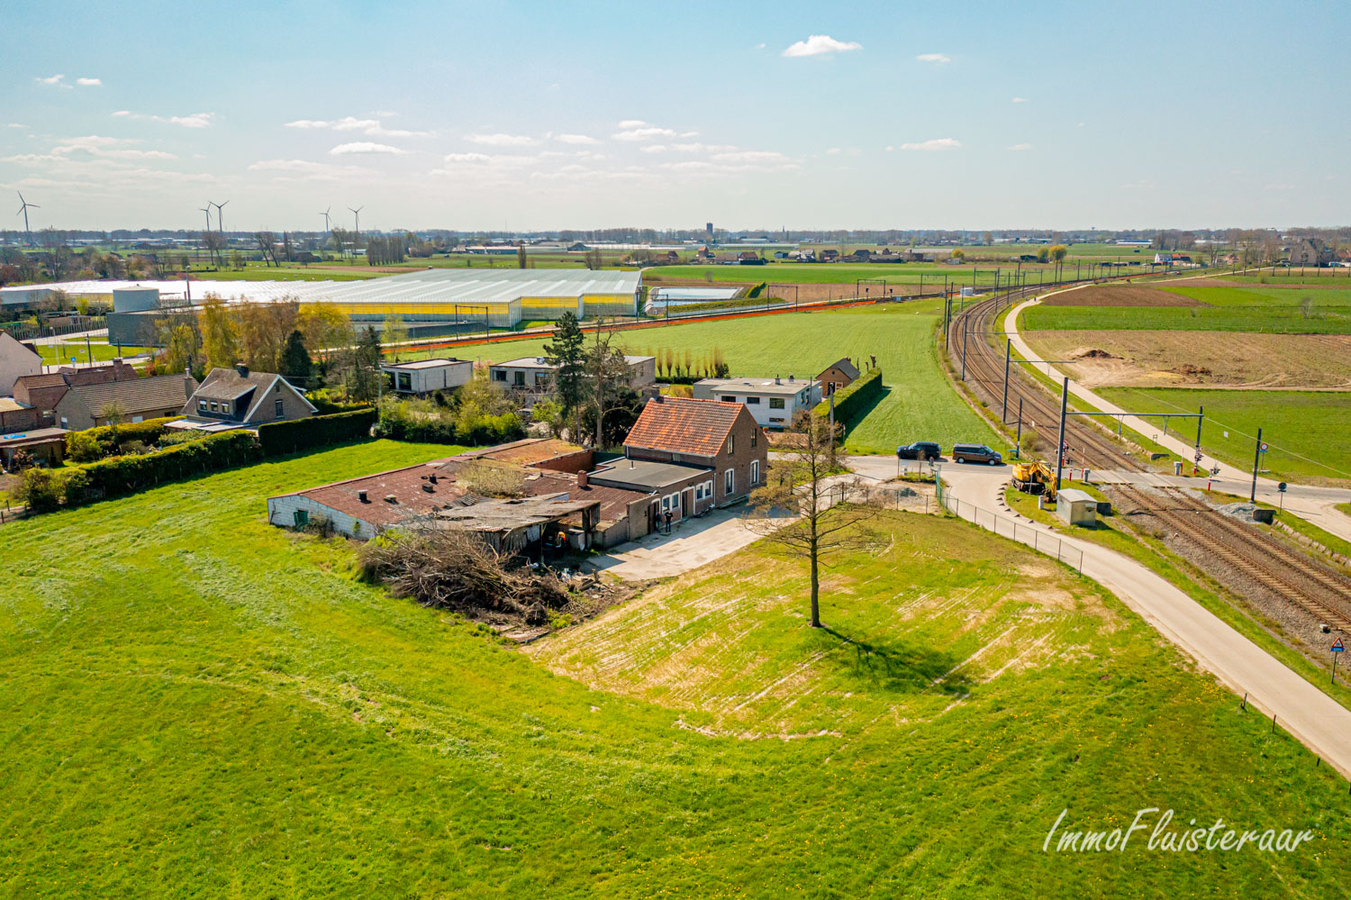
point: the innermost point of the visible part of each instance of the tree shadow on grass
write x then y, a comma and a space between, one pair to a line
900, 667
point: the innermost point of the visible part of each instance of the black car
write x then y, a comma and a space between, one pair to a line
919, 450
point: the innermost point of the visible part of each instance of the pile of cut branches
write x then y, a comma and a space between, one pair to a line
458, 571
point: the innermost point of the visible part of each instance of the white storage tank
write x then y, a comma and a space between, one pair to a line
135, 299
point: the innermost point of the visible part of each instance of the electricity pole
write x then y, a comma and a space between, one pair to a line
1256, 462
1060, 443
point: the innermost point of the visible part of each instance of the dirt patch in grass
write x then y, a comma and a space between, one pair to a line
1120, 295
1189, 359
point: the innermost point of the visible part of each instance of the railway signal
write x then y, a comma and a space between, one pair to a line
1337, 650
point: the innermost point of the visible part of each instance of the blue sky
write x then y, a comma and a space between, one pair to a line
548, 115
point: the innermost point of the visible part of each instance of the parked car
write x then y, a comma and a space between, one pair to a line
919, 450
976, 453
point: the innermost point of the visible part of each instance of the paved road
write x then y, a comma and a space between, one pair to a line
1315, 505
689, 546
1315, 719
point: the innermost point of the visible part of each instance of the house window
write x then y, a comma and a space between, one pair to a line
729, 399
519, 379
405, 382
776, 403
201, 406
752, 401
728, 482
135, 419
698, 492
280, 411
755, 471
499, 375
302, 518
731, 444
214, 406
755, 438
708, 490
65, 423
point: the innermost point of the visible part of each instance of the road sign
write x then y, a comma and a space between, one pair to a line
1337, 646
1264, 448
1282, 486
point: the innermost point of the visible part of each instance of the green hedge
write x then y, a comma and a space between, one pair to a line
473, 429
128, 474
43, 490
849, 401
96, 443
317, 431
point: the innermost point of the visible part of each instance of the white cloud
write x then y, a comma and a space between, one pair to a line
89, 82
645, 133
195, 120
106, 147
817, 44
579, 139
491, 159
833, 151
752, 156
759, 46
1021, 147
89, 143
16, 125
54, 81
303, 169
1021, 100
632, 123
655, 148
364, 147
372, 127
890, 148
935, 144
500, 140
933, 58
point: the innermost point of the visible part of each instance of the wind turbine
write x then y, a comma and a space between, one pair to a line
23, 211
220, 219
327, 226
357, 212
207, 209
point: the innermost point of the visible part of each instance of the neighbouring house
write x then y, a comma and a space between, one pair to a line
838, 374
37, 395
1310, 252
772, 401
1170, 259
426, 376
16, 360
46, 446
534, 374
89, 405
830, 255
238, 398
709, 434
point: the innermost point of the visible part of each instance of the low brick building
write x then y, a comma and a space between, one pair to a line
837, 375
722, 438
89, 405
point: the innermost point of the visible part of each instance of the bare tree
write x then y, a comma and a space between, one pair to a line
804, 481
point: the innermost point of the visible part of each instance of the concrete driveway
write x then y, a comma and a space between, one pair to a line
688, 546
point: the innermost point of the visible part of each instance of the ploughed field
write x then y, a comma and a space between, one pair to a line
194, 700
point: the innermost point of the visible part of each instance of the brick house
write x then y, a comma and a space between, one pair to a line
238, 398
1310, 252
722, 438
87, 405
838, 374
16, 360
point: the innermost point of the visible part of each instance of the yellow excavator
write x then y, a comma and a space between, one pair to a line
1034, 477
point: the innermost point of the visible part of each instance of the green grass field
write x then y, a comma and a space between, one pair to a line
194, 702
252, 271
919, 404
1306, 430
845, 273
1249, 309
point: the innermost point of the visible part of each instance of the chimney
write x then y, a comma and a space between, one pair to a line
582, 479
361, 496
777, 380
790, 377
432, 478
242, 369
187, 383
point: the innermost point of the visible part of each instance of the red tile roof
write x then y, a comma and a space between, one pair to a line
682, 425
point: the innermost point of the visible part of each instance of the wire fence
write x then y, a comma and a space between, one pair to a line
1038, 540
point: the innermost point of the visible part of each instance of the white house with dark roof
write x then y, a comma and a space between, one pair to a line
426, 376
771, 401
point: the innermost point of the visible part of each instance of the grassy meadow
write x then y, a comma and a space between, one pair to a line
919, 404
1256, 308
1307, 431
194, 702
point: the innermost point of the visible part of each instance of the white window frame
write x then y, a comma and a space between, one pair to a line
729, 482
755, 471
731, 445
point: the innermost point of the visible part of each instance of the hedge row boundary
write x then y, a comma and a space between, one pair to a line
277, 438
849, 400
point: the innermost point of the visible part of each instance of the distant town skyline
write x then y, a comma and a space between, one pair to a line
539, 117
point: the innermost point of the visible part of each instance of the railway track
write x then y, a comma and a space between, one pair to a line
1318, 589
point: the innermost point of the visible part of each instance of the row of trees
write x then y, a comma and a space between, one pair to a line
281, 336
686, 363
